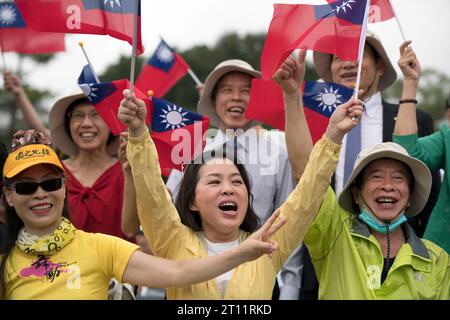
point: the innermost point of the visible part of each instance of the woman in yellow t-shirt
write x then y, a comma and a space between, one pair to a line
45, 257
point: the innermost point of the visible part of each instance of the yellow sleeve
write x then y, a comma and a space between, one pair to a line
157, 214
304, 202
113, 254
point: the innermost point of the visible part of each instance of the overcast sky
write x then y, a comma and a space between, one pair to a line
186, 23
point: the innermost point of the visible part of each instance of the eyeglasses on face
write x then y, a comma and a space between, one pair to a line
79, 116
29, 187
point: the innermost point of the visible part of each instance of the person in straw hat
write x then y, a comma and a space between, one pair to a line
361, 244
376, 126
45, 257
434, 149
99, 186
378, 121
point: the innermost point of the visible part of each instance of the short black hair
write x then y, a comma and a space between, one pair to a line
447, 105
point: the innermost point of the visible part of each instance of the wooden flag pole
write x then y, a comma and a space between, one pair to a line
133, 52
81, 44
398, 21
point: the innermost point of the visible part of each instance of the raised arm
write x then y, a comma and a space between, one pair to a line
13, 84
409, 64
130, 219
151, 271
157, 214
298, 138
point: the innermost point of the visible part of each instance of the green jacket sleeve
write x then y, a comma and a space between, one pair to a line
429, 149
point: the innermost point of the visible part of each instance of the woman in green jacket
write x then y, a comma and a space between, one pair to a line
433, 150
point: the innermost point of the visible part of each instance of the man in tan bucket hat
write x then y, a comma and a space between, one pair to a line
377, 124
361, 244
224, 100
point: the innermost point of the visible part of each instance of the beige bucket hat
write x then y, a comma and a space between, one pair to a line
421, 175
61, 138
322, 63
205, 105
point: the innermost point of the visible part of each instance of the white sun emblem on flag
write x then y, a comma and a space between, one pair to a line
111, 3
164, 55
173, 117
344, 6
89, 90
7, 15
329, 99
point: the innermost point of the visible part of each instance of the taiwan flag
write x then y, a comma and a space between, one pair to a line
110, 17
331, 28
164, 68
178, 134
16, 36
380, 10
320, 99
87, 77
106, 98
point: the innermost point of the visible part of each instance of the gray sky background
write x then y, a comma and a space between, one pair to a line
186, 23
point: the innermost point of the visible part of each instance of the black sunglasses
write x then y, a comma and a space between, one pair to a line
27, 188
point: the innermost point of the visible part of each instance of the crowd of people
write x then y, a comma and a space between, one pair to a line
308, 222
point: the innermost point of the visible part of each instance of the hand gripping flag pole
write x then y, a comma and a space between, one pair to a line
81, 44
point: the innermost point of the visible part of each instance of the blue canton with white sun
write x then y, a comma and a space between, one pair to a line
10, 16
163, 58
114, 6
324, 97
350, 10
168, 116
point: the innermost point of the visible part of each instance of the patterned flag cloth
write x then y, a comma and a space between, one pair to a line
106, 98
320, 99
380, 10
109, 17
17, 37
164, 68
331, 28
177, 133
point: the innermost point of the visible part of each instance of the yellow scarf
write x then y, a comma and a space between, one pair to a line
49, 244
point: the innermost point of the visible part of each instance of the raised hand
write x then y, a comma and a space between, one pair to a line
132, 112
12, 83
259, 243
291, 73
408, 62
345, 118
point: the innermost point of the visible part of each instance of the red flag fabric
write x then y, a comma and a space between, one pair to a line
177, 133
380, 10
17, 37
332, 28
164, 68
320, 99
106, 97
111, 17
